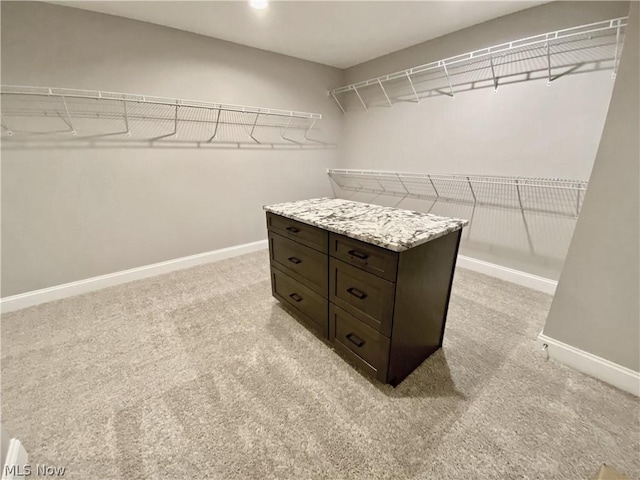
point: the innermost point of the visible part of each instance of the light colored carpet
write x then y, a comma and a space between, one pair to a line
201, 374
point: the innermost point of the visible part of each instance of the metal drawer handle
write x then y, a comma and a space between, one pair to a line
357, 341
293, 229
294, 260
296, 297
358, 255
357, 293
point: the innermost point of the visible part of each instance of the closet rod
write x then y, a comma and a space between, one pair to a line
547, 195
501, 49
148, 99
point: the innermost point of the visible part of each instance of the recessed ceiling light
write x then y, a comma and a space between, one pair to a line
259, 4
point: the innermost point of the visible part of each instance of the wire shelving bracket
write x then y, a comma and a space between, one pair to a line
41, 112
498, 62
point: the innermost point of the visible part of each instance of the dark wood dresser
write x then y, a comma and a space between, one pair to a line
383, 310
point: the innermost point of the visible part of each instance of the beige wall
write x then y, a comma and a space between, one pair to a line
70, 214
596, 306
73, 214
526, 129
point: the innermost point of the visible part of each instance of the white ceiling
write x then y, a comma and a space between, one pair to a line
336, 33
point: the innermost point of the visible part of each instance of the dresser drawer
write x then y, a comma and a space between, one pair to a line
311, 306
300, 232
362, 294
362, 344
304, 264
373, 259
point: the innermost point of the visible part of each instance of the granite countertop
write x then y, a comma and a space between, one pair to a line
392, 228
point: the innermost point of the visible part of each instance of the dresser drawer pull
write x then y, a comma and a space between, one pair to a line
292, 229
358, 255
357, 341
294, 260
296, 297
357, 293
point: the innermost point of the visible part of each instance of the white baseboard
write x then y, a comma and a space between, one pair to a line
23, 300
16, 461
594, 366
510, 275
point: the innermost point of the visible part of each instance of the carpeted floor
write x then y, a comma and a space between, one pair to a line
201, 374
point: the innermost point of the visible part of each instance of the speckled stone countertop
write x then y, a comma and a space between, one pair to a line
391, 228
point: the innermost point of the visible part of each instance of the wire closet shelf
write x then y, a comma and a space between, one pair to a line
542, 195
594, 46
60, 113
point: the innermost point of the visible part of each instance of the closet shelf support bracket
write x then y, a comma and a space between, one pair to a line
548, 63
308, 130
285, 131
475, 200
70, 122
385, 92
253, 128
175, 127
446, 72
433, 186
126, 118
402, 183
615, 55
215, 129
519, 196
413, 88
336, 99
577, 200
355, 89
493, 73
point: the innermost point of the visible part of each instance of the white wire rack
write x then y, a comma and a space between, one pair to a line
551, 55
61, 113
545, 195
